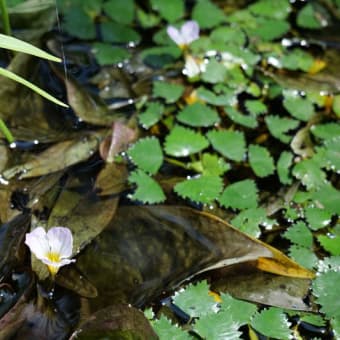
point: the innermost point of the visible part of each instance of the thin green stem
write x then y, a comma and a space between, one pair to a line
5, 131
176, 162
5, 17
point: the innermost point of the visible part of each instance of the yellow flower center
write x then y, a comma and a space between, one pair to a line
53, 257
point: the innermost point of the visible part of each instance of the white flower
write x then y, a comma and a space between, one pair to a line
193, 67
188, 33
52, 248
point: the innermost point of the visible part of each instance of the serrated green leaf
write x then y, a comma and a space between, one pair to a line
147, 154
115, 32
329, 155
214, 165
272, 322
331, 263
309, 18
195, 300
159, 57
310, 174
198, 115
255, 107
326, 131
204, 189
303, 256
239, 310
327, 293
211, 98
182, 142
120, 11
297, 60
207, 14
278, 9
215, 72
107, 54
313, 319
230, 144
260, 160
317, 218
220, 326
299, 234
240, 118
146, 19
169, 10
269, 29
279, 126
331, 243
166, 330
240, 195
148, 190
284, 163
151, 115
298, 107
229, 34
328, 197
249, 221
169, 91
77, 23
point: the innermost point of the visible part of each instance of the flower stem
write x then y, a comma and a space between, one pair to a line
5, 17
5, 131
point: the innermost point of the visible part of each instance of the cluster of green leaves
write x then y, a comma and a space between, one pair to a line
210, 319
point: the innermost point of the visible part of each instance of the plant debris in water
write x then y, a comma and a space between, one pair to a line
223, 112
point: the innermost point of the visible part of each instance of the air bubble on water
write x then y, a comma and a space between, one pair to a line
13, 145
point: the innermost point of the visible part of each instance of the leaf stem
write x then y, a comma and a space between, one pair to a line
5, 131
176, 162
5, 17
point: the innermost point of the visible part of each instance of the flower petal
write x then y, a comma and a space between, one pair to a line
61, 241
190, 31
62, 262
175, 35
37, 241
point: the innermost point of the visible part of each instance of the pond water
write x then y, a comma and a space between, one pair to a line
195, 167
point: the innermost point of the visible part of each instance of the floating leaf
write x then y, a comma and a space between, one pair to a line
249, 221
195, 300
303, 256
182, 142
218, 326
166, 330
310, 174
328, 293
240, 195
308, 17
283, 167
329, 154
239, 310
214, 72
336, 105
204, 189
326, 131
114, 32
331, 243
270, 29
78, 23
272, 322
278, 9
317, 218
207, 14
169, 91
229, 34
214, 165
147, 154
198, 115
151, 115
148, 190
169, 10
279, 126
230, 144
297, 59
122, 12
329, 198
298, 107
107, 54
240, 118
260, 160
211, 98
299, 234
255, 107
